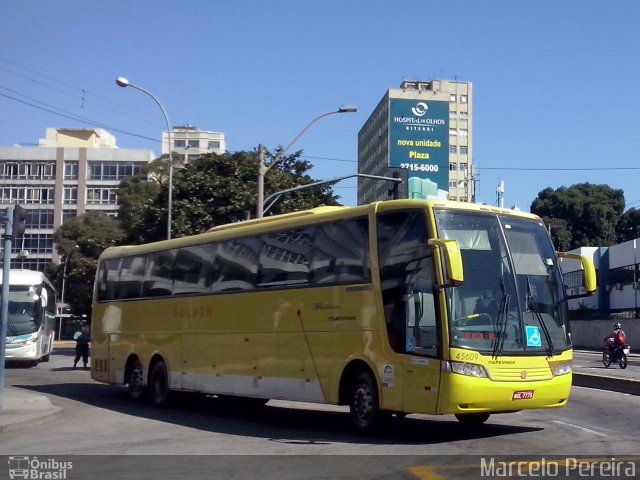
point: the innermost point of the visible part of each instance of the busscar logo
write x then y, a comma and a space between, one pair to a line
33, 468
420, 109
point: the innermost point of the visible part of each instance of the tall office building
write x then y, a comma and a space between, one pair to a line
71, 172
191, 142
420, 132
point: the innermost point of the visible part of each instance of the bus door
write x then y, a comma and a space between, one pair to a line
407, 276
420, 364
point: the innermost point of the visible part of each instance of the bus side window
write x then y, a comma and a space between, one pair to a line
131, 276
158, 279
340, 253
108, 282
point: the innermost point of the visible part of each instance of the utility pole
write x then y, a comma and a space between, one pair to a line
262, 170
4, 303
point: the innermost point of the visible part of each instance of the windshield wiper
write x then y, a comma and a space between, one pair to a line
501, 322
532, 303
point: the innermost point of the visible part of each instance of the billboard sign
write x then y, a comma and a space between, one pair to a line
419, 142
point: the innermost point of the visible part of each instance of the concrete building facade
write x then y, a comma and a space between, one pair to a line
618, 273
421, 132
70, 172
191, 142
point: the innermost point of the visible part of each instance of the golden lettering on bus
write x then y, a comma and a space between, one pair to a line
192, 312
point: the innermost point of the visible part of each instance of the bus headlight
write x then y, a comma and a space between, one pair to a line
560, 368
24, 340
461, 368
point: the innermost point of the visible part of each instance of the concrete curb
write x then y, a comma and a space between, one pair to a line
621, 385
24, 409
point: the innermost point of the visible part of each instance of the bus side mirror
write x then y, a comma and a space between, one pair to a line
451, 259
590, 284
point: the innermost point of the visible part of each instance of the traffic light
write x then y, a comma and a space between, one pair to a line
398, 189
19, 221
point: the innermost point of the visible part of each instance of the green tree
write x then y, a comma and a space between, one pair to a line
140, 204
628, 227
80, 241
589, 212
211, 190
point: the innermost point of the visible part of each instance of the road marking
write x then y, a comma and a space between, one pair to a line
584, 429
424, 472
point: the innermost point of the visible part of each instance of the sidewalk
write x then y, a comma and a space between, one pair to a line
24, 408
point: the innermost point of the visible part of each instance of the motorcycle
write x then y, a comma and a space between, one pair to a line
613, 354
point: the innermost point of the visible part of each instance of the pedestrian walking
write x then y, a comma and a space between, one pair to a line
82, 339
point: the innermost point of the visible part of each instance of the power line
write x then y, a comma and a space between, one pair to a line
330, 159
79, 119
80, 94
559, 169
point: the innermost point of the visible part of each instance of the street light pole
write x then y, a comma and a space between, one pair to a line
123, 82
263, 169
64, 284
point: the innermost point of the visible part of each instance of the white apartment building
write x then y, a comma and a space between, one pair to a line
70, 172
421, 132
191, 142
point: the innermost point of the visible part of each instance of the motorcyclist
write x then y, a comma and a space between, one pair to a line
619, 337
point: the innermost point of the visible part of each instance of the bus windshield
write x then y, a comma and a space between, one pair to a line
512, 300
22, 311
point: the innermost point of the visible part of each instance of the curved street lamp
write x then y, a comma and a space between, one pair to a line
123, 82
263, 169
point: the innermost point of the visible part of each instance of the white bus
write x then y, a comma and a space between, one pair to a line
32, 317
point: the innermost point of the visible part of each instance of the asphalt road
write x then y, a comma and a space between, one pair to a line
109, 436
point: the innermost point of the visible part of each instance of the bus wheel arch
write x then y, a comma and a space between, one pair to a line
134, 378
158, 384
359, 389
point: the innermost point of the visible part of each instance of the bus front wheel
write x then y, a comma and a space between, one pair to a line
137, 390
159, 384
472, 419
364, 406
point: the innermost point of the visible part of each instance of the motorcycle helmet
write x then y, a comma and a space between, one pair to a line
617, 326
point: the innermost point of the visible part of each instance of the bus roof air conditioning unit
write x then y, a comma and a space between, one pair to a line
618, 286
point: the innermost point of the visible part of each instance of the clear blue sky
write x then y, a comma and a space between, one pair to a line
555, 82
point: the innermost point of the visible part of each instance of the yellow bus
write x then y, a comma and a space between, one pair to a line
395, 307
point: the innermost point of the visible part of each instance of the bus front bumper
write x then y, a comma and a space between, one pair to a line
465, 394
21, 351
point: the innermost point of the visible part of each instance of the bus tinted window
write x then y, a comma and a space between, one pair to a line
108, 280
328, 254
340, 253
131, 277
284, 259
158, 279
236, 265
191, 270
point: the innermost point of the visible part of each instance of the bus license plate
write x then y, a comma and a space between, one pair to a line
522, 395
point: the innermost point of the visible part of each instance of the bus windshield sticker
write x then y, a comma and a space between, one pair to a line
533, 336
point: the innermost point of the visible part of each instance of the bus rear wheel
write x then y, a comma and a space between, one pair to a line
137, 390
364, 406
159, 385
472, 419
